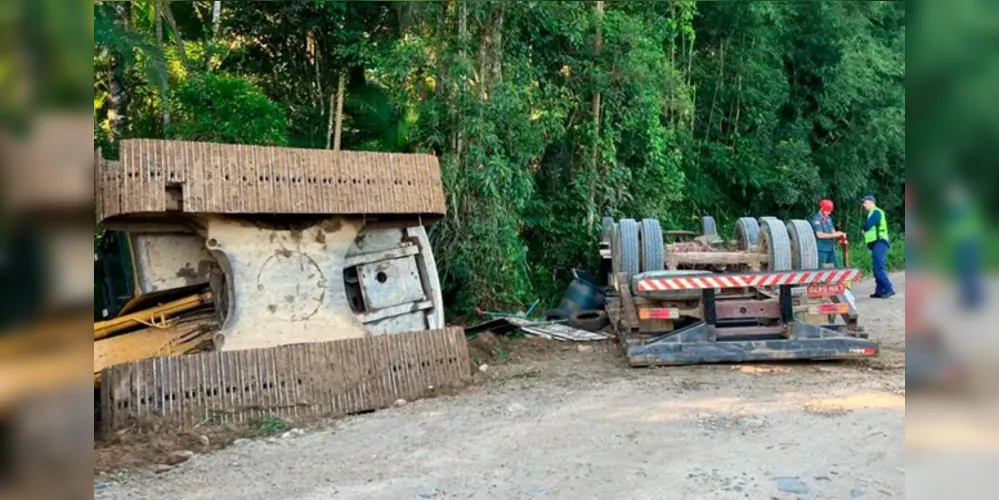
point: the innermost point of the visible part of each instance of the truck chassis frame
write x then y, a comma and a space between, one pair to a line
738, 323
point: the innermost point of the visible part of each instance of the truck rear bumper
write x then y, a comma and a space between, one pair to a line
698, 344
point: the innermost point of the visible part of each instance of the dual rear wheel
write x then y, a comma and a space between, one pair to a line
637, 247
640, 247
790, 246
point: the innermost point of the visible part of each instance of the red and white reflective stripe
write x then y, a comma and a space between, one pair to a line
747, 280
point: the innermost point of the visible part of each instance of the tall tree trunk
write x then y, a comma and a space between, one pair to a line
693, 113
497, 44
330, 122
444, 88
483, 63
490, 52
670, 116
341, 89
598, 45
462, 25
690, 64
313, 50
718, 84
462, 87
168, 15
738, 113
116, 85
216, 22
164, 89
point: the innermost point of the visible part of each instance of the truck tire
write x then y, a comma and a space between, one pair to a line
708, 226
747, 232
628, 246
778, 243
804, 247
591, 321
653, 248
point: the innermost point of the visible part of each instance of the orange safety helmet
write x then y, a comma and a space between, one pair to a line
826, 206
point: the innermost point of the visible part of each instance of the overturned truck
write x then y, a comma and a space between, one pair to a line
231, 248
760, 296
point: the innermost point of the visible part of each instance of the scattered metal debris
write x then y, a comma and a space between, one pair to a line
525, 315
552, 330
556, 331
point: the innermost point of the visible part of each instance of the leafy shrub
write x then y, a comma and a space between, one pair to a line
270, 425
860, 257
226, 109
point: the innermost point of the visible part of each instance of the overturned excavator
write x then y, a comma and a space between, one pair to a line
232, 247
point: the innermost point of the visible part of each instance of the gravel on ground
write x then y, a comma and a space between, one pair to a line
560, 420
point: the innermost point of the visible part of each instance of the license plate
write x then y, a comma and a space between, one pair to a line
829, 309
826, 290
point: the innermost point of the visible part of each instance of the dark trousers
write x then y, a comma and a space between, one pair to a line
828, 257
879, 254
969, 272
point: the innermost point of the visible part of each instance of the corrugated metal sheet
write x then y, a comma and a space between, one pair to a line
554, 331
239, 179
322, 379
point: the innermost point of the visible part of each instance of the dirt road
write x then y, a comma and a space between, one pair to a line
571, 423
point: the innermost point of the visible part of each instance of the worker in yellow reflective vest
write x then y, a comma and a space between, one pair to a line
876, 238
965, 235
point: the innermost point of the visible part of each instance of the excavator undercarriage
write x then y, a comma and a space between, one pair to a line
226, 249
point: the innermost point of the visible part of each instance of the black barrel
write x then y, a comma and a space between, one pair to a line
583, 294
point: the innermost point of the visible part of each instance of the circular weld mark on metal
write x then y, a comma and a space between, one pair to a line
287, 279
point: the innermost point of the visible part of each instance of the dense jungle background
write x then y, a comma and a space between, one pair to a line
546, 116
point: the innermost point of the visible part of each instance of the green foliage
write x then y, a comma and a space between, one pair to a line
227, 109
991, 252
270, 425
681, 109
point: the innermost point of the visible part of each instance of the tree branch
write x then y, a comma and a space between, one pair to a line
168, 15
216, 22
341, 90
164, 90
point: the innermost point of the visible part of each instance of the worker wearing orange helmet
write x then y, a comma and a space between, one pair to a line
826, 234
